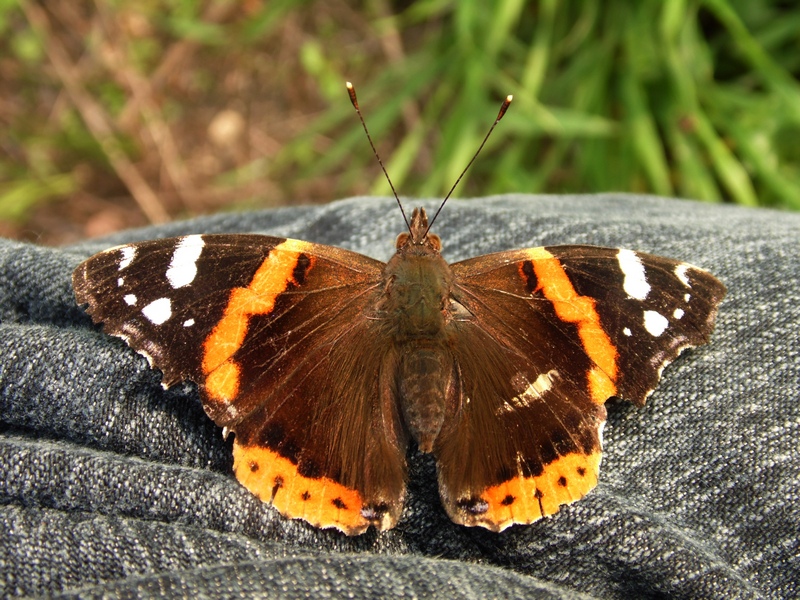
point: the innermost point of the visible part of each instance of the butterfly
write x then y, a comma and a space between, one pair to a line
328, 365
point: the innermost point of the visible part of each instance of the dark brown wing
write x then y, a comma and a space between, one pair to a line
552, 333
278, 336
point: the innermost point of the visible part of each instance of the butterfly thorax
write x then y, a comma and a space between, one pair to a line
417, 285
417, 291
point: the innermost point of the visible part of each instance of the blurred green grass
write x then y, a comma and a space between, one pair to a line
698, 99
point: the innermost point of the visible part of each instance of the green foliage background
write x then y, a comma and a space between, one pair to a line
692, 98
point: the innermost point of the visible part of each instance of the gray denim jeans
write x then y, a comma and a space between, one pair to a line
111, 485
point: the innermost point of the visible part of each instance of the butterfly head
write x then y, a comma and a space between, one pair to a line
417, 239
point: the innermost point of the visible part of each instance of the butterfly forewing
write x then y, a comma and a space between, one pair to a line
148, 293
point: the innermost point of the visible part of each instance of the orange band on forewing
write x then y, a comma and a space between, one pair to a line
269, 282
573, 308
322, 502
224, 380
526, 499
601, 388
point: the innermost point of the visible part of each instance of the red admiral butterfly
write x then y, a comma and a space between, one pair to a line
327, 364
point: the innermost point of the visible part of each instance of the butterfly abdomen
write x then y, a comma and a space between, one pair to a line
424, 378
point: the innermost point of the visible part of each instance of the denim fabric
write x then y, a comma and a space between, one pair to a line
111, 485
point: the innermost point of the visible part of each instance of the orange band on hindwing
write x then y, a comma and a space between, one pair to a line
270, 280
571, 307
526, 499
320, 501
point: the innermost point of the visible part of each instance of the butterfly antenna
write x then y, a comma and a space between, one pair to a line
352, 92
503, 109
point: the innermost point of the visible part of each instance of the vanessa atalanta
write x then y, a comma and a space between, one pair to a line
327, 364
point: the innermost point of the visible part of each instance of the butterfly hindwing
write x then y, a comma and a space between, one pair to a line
276, 334
552, 334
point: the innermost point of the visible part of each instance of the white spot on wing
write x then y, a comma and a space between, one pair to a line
655, 323
532, 392
158, 311
128, 254
120, 282
130, 300
627, 332
543, 383
635, 283
687, 297
188, 322
681, 273
678, 313
183, 266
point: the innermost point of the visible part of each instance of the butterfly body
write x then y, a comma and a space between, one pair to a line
327, 364
418, 306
